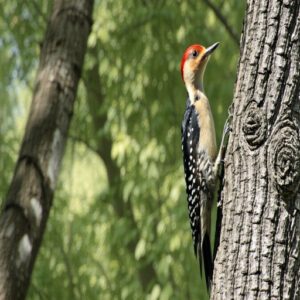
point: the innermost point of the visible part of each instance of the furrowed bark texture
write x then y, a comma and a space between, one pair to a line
258, 256
27, 205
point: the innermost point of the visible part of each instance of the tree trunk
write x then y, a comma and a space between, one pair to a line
26, 208
259, 251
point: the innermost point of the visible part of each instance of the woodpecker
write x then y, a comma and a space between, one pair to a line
199, 149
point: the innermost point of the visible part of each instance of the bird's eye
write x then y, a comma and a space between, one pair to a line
195, 53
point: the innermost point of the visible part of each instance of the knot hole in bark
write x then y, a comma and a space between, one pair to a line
286, 159
254, 126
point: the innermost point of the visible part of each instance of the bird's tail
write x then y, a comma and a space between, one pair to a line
207, 260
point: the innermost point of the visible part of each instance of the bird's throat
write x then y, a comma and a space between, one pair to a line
195, 90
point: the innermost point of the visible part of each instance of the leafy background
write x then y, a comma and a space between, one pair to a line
118, 228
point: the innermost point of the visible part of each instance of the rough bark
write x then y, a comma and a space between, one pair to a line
258, 256
26, 208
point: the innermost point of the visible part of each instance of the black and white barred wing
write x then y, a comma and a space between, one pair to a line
190, 140
198, 177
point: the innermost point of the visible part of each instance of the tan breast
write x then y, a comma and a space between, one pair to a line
206, 123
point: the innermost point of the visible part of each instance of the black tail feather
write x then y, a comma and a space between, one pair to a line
199, 254
218, 231
219, 211
208, 263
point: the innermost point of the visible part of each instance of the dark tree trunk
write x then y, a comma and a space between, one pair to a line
26, 208
259, 252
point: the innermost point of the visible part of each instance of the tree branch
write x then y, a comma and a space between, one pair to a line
234, 35
78, 139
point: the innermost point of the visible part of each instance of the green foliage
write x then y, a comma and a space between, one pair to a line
118, 228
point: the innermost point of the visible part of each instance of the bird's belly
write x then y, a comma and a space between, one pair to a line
207, 138
207, 142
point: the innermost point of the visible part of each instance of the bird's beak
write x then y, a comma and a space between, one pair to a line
210, 50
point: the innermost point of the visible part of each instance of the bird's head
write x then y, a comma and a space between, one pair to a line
193, 64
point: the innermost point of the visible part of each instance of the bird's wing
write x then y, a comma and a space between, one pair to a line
190, 140
198, 168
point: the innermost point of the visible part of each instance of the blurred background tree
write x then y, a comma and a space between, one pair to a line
118, 228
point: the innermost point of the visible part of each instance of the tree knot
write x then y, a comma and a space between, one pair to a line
254, 126
286, 158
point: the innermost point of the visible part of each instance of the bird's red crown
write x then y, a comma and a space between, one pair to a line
188, 53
